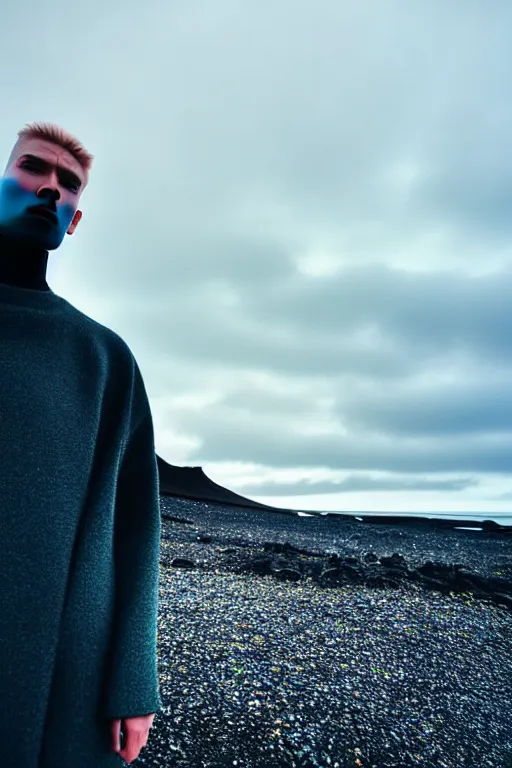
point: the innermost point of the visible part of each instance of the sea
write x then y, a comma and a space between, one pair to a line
502, 518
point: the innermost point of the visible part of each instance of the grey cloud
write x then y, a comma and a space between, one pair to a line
444, 409
437, 310
368, 322
352, 485
230, 435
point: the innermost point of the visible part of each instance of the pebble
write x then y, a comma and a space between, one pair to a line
258, 672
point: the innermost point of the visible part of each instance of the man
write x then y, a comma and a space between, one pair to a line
79, 494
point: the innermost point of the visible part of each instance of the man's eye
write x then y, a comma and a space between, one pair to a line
29, 166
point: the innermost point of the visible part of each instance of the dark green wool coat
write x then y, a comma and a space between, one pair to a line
79, 536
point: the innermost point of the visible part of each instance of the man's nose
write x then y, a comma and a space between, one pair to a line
49, 192
50, 186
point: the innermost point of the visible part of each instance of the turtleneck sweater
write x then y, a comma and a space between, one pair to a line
23, 267
79, 529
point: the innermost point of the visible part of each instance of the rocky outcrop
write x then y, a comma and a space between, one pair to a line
286, 562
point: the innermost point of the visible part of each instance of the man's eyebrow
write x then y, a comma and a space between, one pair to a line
63, 171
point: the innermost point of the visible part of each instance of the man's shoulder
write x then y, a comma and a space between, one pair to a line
103, 338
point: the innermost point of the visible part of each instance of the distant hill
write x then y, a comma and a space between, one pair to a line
192, 483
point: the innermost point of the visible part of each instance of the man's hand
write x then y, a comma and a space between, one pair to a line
136, 732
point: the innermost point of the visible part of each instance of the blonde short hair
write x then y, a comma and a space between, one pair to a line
60, 137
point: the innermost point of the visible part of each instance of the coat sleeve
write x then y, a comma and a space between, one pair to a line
132, 686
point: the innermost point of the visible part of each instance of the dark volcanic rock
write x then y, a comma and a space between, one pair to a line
287, 574
179, 520
261, 565
182, 562
285, 562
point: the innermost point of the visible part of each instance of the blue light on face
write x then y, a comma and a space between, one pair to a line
15, 201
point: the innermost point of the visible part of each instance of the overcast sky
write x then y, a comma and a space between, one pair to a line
299, 219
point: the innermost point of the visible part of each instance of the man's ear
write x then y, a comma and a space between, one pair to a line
75, 222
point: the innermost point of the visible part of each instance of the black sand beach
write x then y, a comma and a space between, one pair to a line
296, 641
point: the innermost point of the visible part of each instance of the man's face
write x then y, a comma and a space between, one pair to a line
40, 174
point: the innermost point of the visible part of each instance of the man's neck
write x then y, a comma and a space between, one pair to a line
23, 267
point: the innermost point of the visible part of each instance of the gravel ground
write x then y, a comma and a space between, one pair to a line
259, 673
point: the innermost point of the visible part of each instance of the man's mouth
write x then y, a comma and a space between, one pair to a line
44, 212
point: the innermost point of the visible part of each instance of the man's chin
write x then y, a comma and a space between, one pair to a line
43, 245
40, 241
